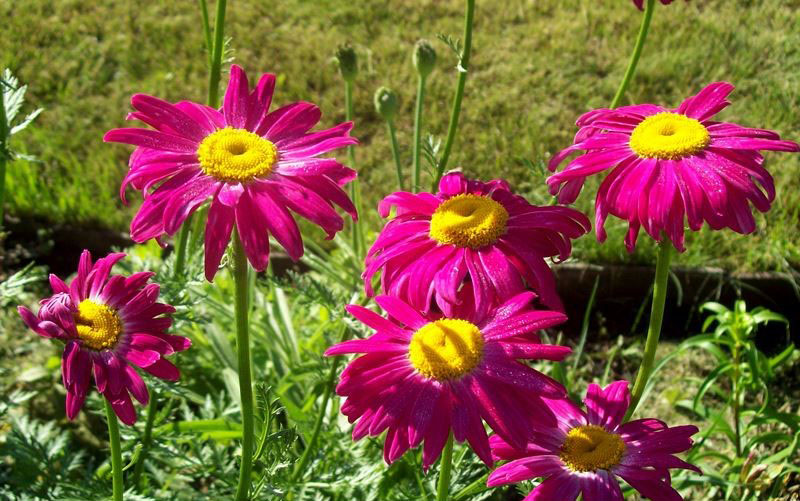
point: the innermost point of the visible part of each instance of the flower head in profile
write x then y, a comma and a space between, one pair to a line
470, 232
668, 166
589, 449
640, 3
108, 323
254, 165
421, 377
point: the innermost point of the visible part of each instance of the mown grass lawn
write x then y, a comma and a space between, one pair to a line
537, 65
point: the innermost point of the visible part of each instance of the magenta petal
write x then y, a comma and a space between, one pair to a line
526, 468
252, 227
280, 223
260, 100
401, 311
123, 407
142, 342
290, 121
708, 102
57, 284
163, 369
606, 407
237, 98
163, 114
561, 487
217, 235
135, 384
151, 139
601, 485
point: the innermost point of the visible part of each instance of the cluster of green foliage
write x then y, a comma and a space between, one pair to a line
192, 451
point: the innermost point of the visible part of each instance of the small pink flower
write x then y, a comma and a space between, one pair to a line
253, 165
470, 232
422, 376
587, 451
667, 166
108, 323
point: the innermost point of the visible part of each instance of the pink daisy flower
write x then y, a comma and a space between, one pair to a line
422, 376
588, 450
107, 324
254, 166
470, 230
671, 165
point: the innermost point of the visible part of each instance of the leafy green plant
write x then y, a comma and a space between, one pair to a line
750, 442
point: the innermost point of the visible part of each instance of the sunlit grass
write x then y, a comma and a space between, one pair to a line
536, 66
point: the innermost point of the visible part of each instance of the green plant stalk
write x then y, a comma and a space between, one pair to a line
417, 134
656, 319
147, 439
241, 312
306, 456
455, 112
116, 450
737, 429
215, 65
206, 29
396, 154
216, 56
445, 470
637, 52
4, 129
355, 188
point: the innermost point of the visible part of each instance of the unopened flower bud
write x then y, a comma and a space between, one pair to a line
348, 62
386, 103
424, 58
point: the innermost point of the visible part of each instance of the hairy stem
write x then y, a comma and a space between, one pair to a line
455, 112
241, 311
116, 450
445, 469
147, 439
4, 130
654, 329
396, 154
637, 52
355, 188
418, 134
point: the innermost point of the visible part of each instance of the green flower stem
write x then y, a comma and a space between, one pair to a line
445, 470
215, 65
147, 439
396, 154
455, 112
637, 52
2, 183
4, 129
654, 330
300, 467
241, 311
735, 383
116, 451
415, 186
355, 188
216, 55
206, 29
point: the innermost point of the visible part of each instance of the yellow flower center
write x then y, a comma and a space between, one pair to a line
236, 155
99, 326
590, 448
669, 136
468, 221
446, 349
